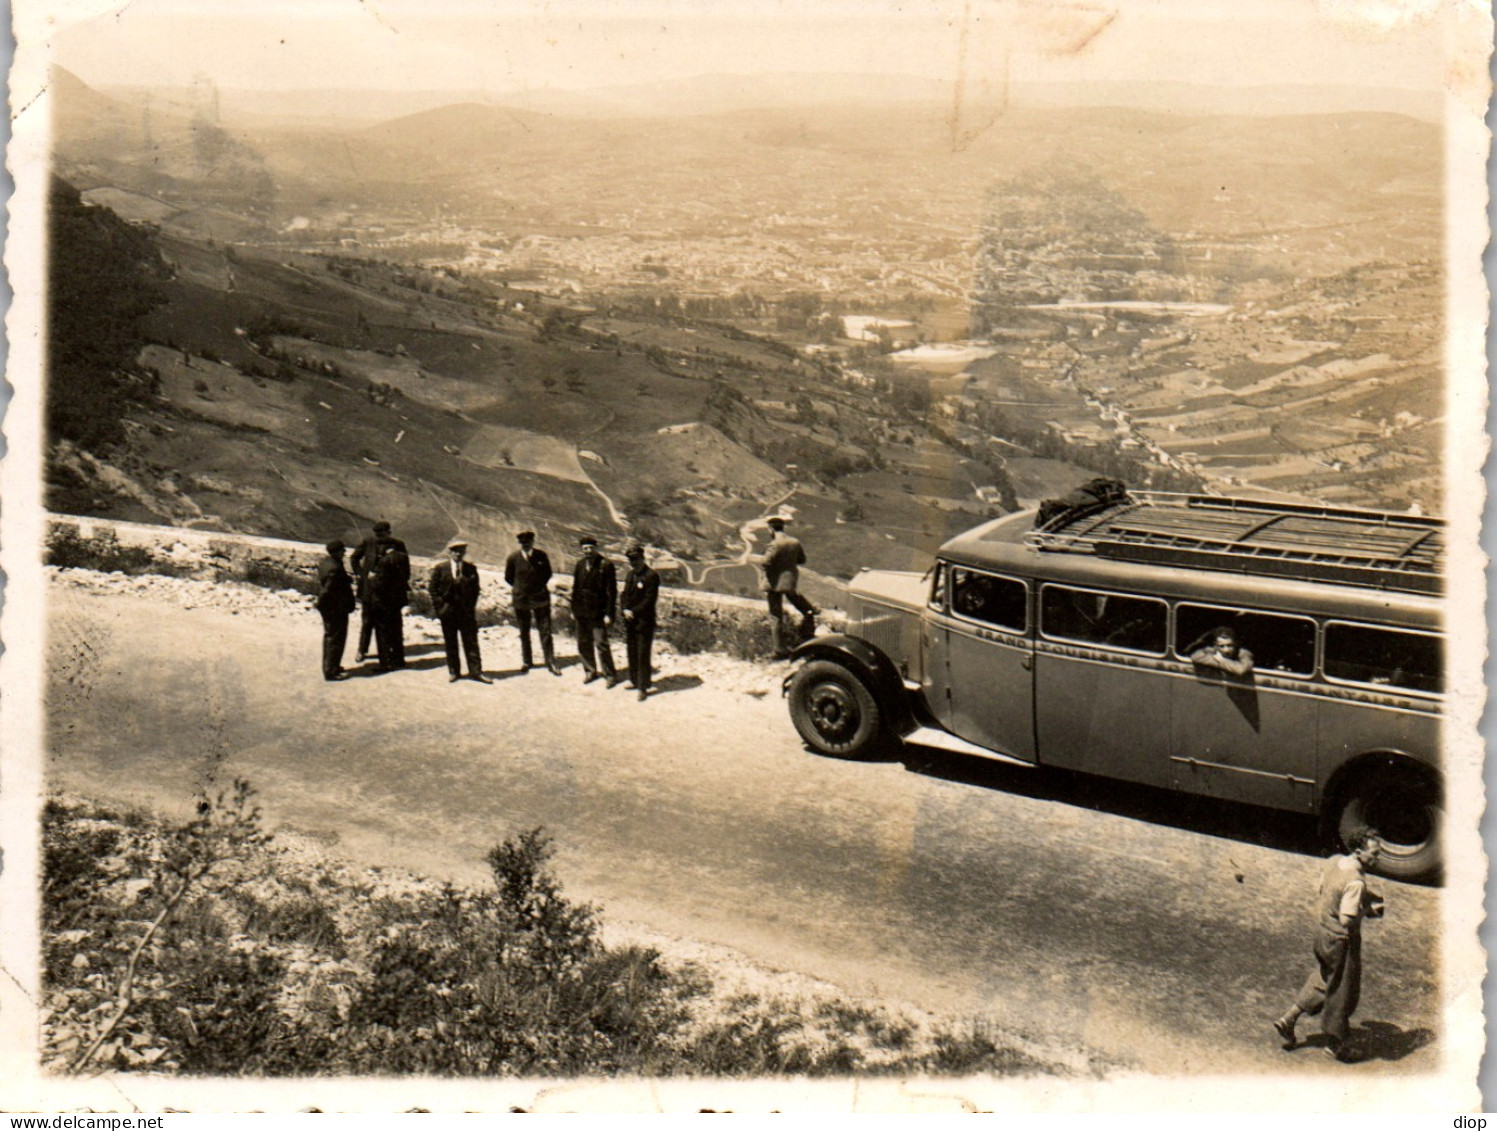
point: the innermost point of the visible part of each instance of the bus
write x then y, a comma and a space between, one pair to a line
1085, 642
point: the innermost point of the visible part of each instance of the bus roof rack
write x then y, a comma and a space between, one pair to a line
1344, 545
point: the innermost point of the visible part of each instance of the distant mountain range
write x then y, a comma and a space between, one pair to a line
517, 166
153, 145
713, 94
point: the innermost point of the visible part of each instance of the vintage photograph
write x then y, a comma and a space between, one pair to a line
660, 556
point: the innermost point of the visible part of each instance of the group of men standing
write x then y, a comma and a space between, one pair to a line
381, 578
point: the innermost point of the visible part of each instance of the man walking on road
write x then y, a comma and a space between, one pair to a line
641, 594
454, 598
528, 572
594, 602
1335, 985
334, 602
781, 564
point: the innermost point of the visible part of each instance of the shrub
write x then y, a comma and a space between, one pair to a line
68, 549
114, 966
973, 1049
193, 948
515, 981
273, 575
708, 630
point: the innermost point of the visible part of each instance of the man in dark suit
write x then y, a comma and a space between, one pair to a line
528, 572
334, 602
594, 602
641, 594
781, 564
388, 584
453, 585
362, 563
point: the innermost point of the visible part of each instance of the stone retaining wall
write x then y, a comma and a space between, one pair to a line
689, 621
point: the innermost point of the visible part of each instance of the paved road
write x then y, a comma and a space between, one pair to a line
957, 886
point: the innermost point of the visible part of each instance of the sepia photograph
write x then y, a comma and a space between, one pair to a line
662, 556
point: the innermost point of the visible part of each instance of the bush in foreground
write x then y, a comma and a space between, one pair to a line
202, 948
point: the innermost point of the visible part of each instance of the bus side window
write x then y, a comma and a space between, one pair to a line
1137, 624
1277, 643
999, 601
1384, 657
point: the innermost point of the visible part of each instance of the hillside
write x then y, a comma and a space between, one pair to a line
305, 397
154, 148
480, 317
105, 278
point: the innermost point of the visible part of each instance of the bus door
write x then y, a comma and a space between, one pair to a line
987, 695
1244, 730
1102, 703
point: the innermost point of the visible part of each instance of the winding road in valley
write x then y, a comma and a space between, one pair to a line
1158, 934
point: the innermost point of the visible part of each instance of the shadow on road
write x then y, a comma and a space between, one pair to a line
1373, 1040
676, 683
509, 673
1381, 1040
368, 671
1269, 828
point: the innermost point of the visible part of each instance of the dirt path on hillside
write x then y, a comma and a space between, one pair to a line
746, 533
699, 814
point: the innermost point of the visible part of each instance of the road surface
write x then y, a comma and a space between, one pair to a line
1159, 939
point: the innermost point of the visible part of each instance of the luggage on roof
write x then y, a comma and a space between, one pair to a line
1314, 543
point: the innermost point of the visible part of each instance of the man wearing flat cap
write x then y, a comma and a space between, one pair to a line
528, 572
781, 564
453, 586
641, 594
594, 602
334, 602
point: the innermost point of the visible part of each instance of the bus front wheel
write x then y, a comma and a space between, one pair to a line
834, 711
1406, 810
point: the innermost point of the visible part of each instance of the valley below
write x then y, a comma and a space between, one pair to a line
660, 329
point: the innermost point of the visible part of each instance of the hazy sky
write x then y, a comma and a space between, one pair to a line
504, 45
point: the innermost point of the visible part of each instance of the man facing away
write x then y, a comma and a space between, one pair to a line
641, 594
594, 603
334, 602
388, 584
362, 563
781, 564
453, 586
528, 572
1334, 987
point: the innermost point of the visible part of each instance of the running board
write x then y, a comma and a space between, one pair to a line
945, 740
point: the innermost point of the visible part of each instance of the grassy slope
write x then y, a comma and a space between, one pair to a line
311, 455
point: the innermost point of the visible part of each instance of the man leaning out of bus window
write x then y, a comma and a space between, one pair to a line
1223, 652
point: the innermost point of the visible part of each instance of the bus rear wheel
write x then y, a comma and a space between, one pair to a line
1406, 809
834, 711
